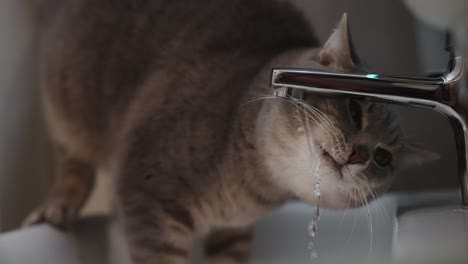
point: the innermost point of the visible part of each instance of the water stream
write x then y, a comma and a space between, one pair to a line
312, 228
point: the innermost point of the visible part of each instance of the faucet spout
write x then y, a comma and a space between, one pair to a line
438, 94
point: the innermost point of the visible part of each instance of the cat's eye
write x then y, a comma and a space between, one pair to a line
382, 157
355, 112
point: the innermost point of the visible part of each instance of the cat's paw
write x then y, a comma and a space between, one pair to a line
58, 211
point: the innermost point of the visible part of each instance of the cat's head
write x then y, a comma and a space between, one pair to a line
357, 145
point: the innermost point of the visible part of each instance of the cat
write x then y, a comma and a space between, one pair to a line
172, 99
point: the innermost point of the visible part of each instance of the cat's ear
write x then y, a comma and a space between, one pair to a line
411, 156
338, 52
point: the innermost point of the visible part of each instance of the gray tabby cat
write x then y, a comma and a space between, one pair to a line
172, 99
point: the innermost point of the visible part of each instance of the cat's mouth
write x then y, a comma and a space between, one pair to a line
330, 160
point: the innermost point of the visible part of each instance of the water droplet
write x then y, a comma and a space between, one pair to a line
317, 194
312, 228
314, 255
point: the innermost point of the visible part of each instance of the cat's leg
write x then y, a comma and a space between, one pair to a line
73, 184
158, 233
229, 246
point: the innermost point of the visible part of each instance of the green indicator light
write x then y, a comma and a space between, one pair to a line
372, 76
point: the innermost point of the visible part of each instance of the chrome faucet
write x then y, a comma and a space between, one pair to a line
438, 94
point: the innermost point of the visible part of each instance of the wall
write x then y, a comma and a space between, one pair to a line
24, 150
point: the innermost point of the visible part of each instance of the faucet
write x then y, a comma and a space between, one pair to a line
438, 94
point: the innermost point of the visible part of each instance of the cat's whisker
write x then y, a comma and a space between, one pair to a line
327, 132
339, 137
371, 190
324, 118
380, 207
353, 228
319, 114
319, 125
346, 209
369, 221
314, 117
314, 109
261, 98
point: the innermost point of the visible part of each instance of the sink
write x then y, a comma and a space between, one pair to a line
406, 228
432, 235
344, 236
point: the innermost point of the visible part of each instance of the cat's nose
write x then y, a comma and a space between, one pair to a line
360, 155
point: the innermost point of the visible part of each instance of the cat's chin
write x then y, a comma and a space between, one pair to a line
339, 193
345, 199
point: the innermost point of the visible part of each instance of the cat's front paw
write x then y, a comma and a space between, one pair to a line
58, 211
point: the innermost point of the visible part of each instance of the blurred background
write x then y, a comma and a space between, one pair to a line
391, 36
